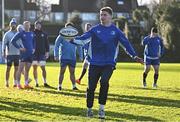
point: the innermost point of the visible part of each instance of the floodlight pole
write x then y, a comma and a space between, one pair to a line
2, 18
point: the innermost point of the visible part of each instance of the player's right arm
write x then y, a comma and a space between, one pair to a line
56, 47
145, 41
83, 39
4, 44
15, 39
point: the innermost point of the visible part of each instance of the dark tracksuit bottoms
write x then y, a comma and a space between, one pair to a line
95, 73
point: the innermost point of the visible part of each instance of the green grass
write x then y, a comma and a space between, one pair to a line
127, 100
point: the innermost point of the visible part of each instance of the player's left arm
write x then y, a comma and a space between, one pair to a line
34, 42
161, 47
47, 45
125, 44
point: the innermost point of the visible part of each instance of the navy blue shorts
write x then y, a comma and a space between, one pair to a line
152, 61
13, 59
39, 58
28, 59
65, 62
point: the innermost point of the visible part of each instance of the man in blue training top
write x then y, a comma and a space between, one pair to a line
65, 52
103, 48
10, 52
154, 49
26, 52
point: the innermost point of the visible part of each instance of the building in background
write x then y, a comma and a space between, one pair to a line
87, 9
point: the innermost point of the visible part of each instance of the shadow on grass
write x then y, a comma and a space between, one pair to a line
35, 107
172, 90
142, 100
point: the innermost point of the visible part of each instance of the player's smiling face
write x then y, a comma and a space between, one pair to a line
105, 17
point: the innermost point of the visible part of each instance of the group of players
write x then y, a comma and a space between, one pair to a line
101, 43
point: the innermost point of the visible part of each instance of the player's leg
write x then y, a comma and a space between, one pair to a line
16, 64
93, 77
147, 68
156, 64
35, 74
104, 86
63, 66
85, 66
72, 77
26, 74
8, 69
145, 73
43, 68
18, 75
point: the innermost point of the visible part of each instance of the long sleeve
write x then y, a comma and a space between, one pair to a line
145, 41
15, 39
80, 52
4, 43
56, 47
84, 39
125, 44
162, 47
47, 43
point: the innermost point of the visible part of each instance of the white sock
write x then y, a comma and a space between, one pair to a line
7, 82
15, 82
44, 80
36, 80
18, 82
27, 82
60, 85
101, 107
89, 109
74, 85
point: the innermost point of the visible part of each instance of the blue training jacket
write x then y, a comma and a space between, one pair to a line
27, 41
154, 48
65, 50
104, 44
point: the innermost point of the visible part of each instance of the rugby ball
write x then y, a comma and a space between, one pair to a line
68, 32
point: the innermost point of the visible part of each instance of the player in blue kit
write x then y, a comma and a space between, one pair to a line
154, 49
103, 51
65, 52
26, 52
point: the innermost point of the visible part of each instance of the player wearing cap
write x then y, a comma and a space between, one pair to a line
10, 52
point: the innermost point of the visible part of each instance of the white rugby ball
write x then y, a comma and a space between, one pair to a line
68, 32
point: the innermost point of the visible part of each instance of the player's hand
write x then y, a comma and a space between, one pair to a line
139, 60
33, 51
47, 55
22, 49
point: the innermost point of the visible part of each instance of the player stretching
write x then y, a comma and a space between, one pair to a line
26, 52
86, 62
103, 48
154, 49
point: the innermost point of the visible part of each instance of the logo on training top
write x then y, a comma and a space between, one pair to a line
24, 35
42, 35
32, 35
68, 32
113, 32
98, 31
